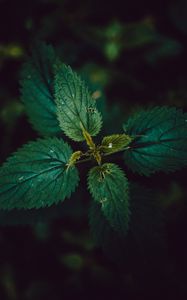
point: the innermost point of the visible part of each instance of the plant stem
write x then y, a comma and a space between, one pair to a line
106, 154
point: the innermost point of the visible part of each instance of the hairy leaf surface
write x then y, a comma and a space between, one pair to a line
76, 107
37, 90
36, 175
109, 187
160, 140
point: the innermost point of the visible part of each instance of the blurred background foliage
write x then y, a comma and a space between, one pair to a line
133, 54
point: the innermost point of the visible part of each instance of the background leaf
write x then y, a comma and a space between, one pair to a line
37, 90
146, 228
56, 212
36, 175
160, 142
75, 104
109, 186
147, 219
105, 236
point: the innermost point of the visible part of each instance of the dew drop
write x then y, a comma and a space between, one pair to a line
20, 178
110, 145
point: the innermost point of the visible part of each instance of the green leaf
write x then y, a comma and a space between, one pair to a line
109, 186
76, 107
37, 176
160, 140
37, 90
114, 143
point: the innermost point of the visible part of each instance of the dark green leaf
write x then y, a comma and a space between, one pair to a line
76, 107
37, 90
105, 236
146, 228
109, 186
147, 219
36, 175
160, 142
164, 49
55, 212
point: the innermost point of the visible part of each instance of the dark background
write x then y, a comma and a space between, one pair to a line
136, 52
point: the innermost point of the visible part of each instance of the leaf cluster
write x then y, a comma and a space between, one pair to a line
45, 172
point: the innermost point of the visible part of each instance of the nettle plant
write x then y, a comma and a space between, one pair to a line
45, 172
